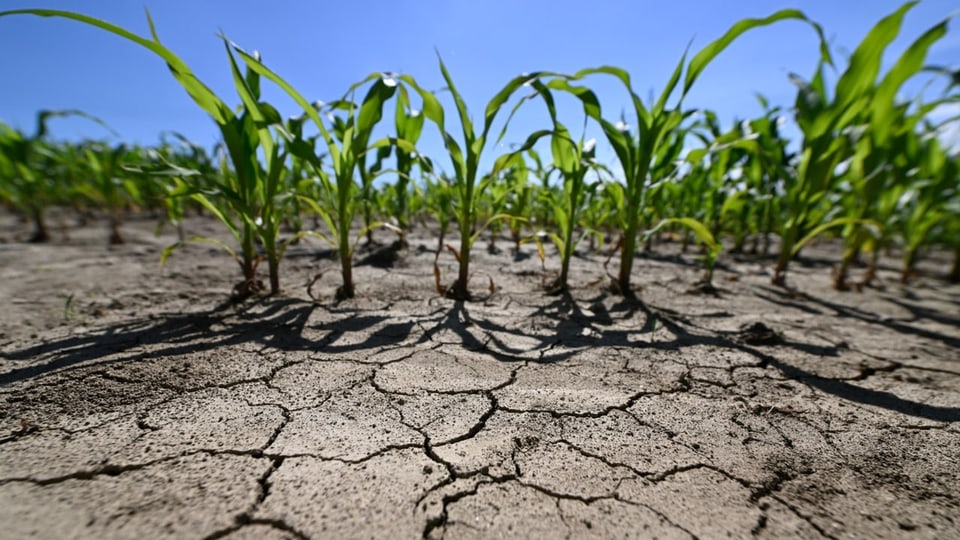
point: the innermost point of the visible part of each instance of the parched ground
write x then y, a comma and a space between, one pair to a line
135, 402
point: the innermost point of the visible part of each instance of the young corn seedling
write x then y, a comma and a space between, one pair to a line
246, 195
347, 148
438, 198
504, 204
950, 235
251, 198
30, 167
368, 172
109, 185
573, 159
599, 214
928, 203
408, 123
520, 197
637, 152
168, 165
490, 207
767, 169
713, 168
711, 248
835, 129
728, 178
24, 182
882, 171
465, 159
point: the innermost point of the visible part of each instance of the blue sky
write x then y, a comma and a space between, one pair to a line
323, 46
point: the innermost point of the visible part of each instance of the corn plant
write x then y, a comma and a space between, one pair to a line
573, 160
465, 159
876, 175
169, 166
599, 213
367, 171
408, 123
24, 183
711, 247
438, 199
637, 152
765, 172
347, 147
717, 169
521, 193
30, 167
505, 204
490, 207
950, 235
245, 198
835, 128
109, 185
929, 201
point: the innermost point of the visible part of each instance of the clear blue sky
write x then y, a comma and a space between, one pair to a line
323, 46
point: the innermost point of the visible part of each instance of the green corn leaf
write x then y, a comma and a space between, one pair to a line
861, 74
661, 104
308, 108
589, 100
201, 240
371, 111
465, 122
909, 64
261, 136
501, 97
203, 96
870, 225
503, 161
708, 53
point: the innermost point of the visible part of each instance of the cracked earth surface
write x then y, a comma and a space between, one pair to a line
146, 407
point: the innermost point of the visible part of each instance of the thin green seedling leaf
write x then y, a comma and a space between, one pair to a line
867, 224
200, 93
703, 58
494, 219
199, 240
909, 64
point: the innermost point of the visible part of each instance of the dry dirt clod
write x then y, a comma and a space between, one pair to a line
757, 333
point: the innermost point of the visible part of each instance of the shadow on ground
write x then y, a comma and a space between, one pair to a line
599, 321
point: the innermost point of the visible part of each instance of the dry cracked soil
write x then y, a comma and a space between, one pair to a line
136, 402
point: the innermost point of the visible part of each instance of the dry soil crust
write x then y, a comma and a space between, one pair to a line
133, 403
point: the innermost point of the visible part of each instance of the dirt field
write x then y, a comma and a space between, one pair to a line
136, 402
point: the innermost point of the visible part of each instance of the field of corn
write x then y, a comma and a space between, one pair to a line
871, 169
807, 388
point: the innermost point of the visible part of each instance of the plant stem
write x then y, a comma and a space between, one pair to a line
627, 252
40, 233
459, 290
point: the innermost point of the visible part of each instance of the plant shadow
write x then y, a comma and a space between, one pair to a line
278, 323
571, 325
